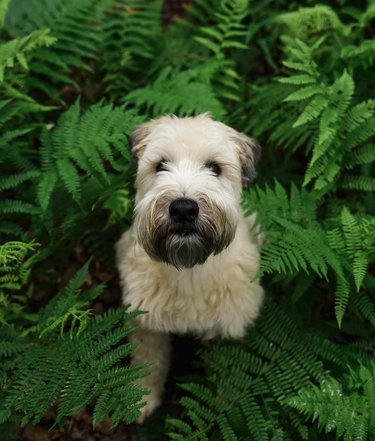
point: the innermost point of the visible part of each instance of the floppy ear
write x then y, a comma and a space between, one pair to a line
249, 153
138, 141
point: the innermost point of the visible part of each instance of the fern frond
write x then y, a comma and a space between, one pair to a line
364, 306
4, 5
343, 127
78, 148
226, 33
294, 239
361, 156
15, 269
362, 54
16, 49
342, 294
130, 31
72, 368
228, 29
362, 183
349, 411
16, 207
71, 26
308, 21
246, 385
353, 240
180, 93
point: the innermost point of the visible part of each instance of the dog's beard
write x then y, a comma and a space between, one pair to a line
184, 251
185, 246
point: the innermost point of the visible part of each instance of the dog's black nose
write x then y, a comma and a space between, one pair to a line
183, 210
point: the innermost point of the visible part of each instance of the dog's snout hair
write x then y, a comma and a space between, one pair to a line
177, 243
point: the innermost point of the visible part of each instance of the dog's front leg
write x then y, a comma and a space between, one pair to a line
154, 348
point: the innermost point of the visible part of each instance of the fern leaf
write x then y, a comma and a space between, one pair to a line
342, 295
16, 206
65, 368
17, 179
45, 188
362, 183
235, 402
15, 49
308, 20
4, 5
298, 79
69, 176
348, 412
177, 93
312, 110
304, 93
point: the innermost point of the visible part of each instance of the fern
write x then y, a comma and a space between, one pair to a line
346, 407
17, 48
183, 93
82, 144
71, 368
296, 241
128, 44
294, 238
364, 54
313, 20
341, 123
15, 269
246, 386
68, 21
354, 241
227, 33
296, 77
12, 255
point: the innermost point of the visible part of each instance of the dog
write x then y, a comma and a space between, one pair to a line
191, 257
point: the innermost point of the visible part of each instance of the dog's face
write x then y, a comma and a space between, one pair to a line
189, 180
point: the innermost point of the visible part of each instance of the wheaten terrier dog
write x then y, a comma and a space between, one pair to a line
191, 257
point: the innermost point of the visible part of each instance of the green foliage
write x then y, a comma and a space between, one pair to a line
60, 360
160, 97
76, 76
295, 240
14, 273
346, 406
72, 24
17, 48
341, 127
78, 147
128, 44
245, 388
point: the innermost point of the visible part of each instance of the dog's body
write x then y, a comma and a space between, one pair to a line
190, 258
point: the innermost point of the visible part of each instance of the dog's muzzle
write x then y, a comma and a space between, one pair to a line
186, 234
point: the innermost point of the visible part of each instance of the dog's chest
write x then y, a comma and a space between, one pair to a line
203, 301
213, 299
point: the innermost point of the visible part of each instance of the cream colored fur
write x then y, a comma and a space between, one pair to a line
218, 298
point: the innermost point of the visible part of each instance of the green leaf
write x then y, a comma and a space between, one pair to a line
70, 177
45, 188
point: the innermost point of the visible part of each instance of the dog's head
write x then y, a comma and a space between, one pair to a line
190, 172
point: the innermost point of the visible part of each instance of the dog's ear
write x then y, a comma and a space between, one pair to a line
249, 153
138, 141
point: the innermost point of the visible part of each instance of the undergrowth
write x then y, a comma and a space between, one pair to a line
75, 78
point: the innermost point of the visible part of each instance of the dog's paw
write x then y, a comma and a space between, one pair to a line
152, 403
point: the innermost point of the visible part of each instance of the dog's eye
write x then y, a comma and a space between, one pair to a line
214, 167
161, 166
